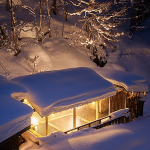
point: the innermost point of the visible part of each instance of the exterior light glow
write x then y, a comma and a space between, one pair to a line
27, 103
34, 121
52, 114
93, 103
78, 107
25, 100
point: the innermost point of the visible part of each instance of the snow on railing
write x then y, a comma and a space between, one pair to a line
91, 124
97, 124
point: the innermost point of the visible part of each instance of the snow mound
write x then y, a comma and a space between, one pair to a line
131, 82
64, 53
34, 55
28, 31
15, 116
119, 113
8, 87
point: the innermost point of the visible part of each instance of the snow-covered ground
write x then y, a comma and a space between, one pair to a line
58, 53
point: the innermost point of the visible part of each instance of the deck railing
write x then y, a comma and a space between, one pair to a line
122, 119
91, 124
97, 124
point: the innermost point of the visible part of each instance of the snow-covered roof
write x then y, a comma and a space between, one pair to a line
14, 115
131, 82
55, 91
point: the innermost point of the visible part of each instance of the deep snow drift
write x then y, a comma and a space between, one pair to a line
15, 116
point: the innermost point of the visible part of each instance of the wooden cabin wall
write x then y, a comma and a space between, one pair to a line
92, 105
14, 141
126, 99
133, 104
104, 106
118, 101
13, 144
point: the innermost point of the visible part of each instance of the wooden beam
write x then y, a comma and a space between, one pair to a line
47, 126
125, 103
109, 106
100, 106
97, 110
74, 117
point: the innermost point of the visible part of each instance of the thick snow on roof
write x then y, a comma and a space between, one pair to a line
55, 91
131, 82
15, 116
7, 87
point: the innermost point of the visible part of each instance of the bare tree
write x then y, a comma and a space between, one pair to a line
98, 17
101, 29
54, 7
8, 4
66, 18
39, 32
49, 18
63, 17
141, 11
17, 50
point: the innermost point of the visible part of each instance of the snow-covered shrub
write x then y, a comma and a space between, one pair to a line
100, 21
3, 36
99, 55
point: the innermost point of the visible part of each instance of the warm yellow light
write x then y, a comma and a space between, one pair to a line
27, 103
93, 103
34, 121
25, 100
52, 114
78, 107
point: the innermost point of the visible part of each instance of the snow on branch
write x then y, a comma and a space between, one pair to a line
100, 20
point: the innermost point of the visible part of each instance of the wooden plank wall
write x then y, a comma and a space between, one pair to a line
14, 141
117, 102
132, 103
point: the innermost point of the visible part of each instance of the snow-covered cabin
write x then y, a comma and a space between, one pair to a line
69, 98
65, 99
131, 87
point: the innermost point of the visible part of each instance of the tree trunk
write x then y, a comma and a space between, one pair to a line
136, 16
66, 10
8, 3
54, 5
17, 50
63, 20
39, 36
49, 18
88, 24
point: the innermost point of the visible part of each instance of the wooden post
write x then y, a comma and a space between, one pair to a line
47, 127
100, 103
97, 110
74, 117
109, 106
125, 105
